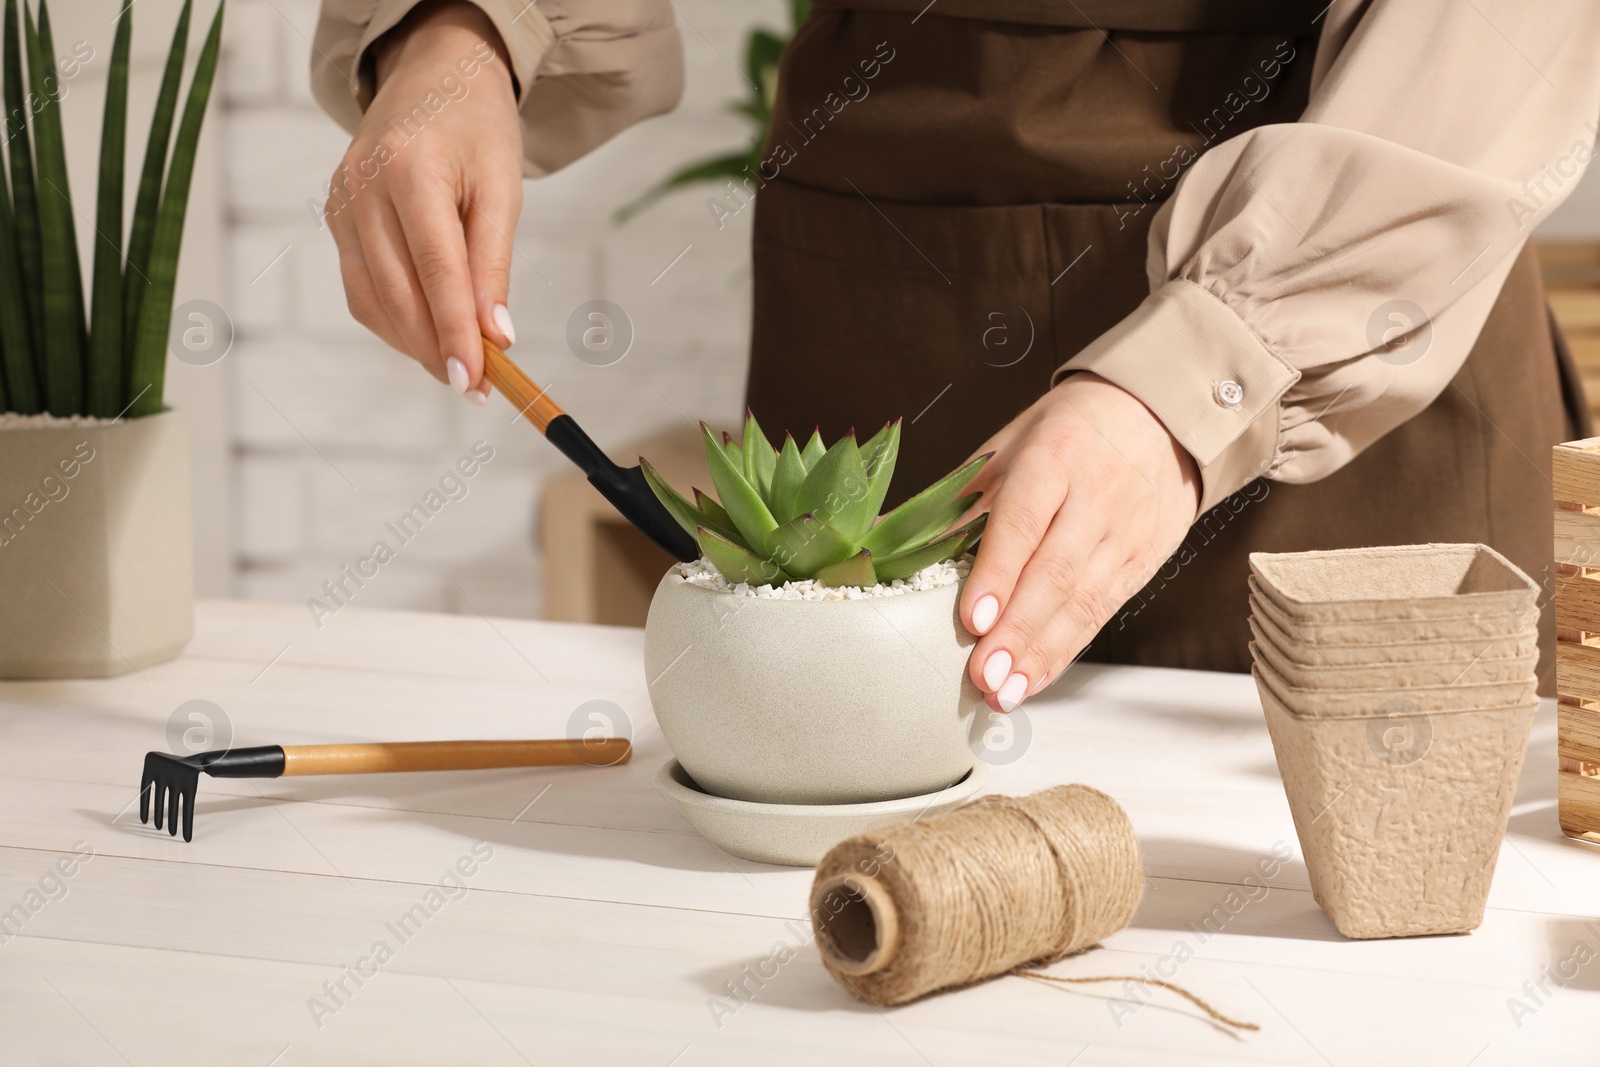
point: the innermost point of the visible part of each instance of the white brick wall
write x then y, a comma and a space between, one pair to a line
334, 434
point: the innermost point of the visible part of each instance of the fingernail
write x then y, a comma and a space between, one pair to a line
502, 322
1011, 694
984, 612
478, 398
459, 379
995, 669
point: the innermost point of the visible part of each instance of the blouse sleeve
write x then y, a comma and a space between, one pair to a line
1315, 284
585, 69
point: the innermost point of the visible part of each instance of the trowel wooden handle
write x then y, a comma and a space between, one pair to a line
452, 756
518, 388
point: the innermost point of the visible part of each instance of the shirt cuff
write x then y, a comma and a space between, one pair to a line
524, 31
1205, 375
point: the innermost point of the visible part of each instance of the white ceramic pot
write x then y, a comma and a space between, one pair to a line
812, 701
96, 547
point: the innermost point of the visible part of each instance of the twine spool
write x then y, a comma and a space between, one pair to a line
980, 892
1001, 882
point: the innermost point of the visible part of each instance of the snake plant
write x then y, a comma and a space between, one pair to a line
57, 353
795, 513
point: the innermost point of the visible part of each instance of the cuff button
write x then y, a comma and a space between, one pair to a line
1229, 393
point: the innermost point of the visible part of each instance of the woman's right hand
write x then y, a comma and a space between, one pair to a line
425, 202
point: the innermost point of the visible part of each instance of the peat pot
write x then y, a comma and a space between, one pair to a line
812, 701
96, 552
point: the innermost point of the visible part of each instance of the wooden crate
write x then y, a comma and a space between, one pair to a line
1572, 282
1575, 475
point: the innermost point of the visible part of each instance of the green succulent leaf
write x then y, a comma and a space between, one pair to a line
759, 458
731, 448
879, 455
689, 517
737, 563
950, 546
942, 519
787, 475
738, 497
836, 490
16, 340
719, 516
24, 189
806, 544
63, 335
149, 367
813, 451
142, 228
924, 514
857, 570
104, 390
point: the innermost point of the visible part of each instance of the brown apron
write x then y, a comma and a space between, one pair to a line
956, 200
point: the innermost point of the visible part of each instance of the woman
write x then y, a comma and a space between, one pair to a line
1258, 263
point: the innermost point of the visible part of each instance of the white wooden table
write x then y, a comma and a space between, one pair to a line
601, 929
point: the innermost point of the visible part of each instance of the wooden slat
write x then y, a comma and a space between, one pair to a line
1578, 670
1577, 538
1575, 471
1579, 802
1578, 597
1576, 309
1585, 347
1569, 263
1579, 730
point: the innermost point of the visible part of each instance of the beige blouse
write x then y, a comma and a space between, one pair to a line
1313, 284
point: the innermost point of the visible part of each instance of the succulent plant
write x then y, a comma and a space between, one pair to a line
793, 513
58, 352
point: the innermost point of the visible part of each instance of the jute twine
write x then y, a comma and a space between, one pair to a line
989, 889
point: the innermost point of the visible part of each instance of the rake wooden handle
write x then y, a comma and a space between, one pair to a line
452, 756
518, 388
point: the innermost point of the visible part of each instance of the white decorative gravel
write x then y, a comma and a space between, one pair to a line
10, 420
703, 574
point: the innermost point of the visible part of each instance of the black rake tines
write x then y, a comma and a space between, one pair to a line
169, 784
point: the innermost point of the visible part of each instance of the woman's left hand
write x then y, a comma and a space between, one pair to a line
1087, 495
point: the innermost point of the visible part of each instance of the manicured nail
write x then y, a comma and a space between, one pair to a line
995, 669
984, 612
459, 379
502, 322
1011, 694
478, 398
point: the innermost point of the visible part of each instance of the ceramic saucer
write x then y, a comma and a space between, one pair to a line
798, 835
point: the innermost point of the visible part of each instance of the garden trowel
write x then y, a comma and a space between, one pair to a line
624, 487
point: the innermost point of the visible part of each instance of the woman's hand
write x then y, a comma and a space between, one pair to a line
1087, 494
424, 203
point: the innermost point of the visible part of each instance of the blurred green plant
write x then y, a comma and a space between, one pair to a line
52, 358
796, 513
762, 51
